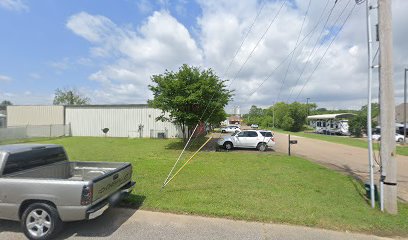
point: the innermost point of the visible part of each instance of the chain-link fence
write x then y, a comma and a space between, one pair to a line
29, 131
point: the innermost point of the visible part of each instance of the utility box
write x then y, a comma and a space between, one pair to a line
368, 191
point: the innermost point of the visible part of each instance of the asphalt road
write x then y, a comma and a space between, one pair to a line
120, 223
348, 159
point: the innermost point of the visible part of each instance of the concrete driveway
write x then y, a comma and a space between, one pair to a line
121, 223
348, 159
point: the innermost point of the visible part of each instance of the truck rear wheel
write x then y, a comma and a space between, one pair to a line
40, 221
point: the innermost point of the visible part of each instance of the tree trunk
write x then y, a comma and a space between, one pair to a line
183, 129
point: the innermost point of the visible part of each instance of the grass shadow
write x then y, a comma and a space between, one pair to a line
193, 146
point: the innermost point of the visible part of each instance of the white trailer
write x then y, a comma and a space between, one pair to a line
333, 124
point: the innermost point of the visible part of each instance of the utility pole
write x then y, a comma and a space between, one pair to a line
369, 127
405, 104
387, 106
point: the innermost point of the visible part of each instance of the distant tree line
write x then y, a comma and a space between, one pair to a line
292, 117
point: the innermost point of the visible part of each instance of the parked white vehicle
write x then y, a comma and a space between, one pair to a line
254, 126
398, 137
259, 139
230, 129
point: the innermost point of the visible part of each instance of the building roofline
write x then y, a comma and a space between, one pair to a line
106, 105
87, 106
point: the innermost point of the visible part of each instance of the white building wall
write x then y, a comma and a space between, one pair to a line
122, 121
34, 115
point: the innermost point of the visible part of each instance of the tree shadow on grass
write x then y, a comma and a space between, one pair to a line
194, 144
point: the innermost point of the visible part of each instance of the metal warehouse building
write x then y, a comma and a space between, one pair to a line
34, 115
136, 120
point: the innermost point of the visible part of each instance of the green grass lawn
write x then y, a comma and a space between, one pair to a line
355, 142
253, 186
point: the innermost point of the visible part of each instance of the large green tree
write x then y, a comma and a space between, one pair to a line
291, 117
358, 124
69, 96
189, 96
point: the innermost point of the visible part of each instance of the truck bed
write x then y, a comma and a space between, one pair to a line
73, 171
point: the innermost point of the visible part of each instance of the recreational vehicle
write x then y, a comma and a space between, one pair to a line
332, 124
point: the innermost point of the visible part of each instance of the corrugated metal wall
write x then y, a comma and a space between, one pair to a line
34, 115
122, 121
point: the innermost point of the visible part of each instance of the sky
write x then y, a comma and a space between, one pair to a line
268, 50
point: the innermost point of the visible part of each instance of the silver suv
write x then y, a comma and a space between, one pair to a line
259, 139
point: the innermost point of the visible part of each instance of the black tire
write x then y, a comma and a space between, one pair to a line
262, 147
223, 131
400, 140
228, 145
48, 221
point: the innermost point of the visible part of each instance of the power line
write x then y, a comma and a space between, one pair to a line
327, 49
297, 41
314, 47
251, 53
287, 56
236, 74
246, 36
212, 97
259, 41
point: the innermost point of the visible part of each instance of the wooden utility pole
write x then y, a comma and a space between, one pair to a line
387, 106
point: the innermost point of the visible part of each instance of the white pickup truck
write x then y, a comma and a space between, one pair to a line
41, 188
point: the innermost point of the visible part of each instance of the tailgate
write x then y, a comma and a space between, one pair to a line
111, 182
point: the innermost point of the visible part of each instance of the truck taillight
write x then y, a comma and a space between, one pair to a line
86, 196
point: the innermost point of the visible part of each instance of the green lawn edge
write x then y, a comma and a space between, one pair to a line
250, 186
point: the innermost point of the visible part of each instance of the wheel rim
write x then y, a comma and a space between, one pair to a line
38, 222
228, 146
262, 147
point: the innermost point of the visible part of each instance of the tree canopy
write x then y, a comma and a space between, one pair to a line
189, 96
4, 104
69, 97
281, 115
358, 124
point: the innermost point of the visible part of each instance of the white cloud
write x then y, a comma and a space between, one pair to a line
4, 78
161, 42
14, 5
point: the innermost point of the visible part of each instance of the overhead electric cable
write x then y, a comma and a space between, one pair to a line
327, 49
297, 41
314, 47
226, 71
259, 41
287, 56
244, 39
